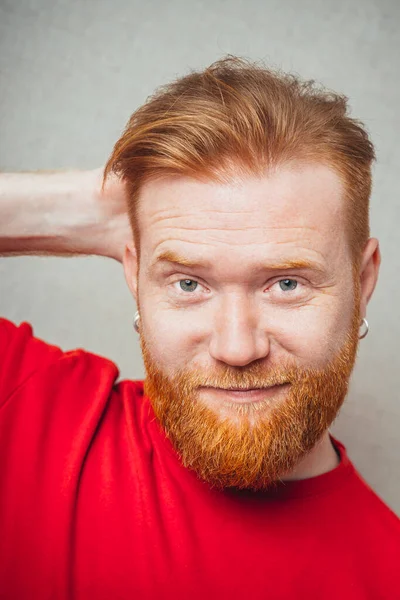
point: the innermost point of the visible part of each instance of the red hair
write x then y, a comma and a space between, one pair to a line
240, 114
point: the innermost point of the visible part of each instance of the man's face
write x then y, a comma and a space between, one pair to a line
266, 299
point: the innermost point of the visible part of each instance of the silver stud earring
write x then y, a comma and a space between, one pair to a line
364, 323
136, 321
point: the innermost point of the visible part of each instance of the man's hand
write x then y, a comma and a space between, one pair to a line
63, 213
112, 203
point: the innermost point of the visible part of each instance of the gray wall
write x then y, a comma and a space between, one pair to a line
73, 72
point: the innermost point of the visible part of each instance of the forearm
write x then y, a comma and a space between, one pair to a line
54, 212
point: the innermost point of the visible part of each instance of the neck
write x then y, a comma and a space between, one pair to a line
321, 459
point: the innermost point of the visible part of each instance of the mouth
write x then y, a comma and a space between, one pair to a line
246, 395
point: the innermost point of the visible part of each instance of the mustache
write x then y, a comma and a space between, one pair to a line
252, 377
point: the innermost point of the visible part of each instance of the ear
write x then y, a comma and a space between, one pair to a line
369, 270
131, 266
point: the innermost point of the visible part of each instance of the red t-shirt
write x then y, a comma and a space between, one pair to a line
95, 503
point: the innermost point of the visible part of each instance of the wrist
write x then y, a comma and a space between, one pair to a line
48, 212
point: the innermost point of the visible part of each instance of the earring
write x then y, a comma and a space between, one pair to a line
366, 329
136, 321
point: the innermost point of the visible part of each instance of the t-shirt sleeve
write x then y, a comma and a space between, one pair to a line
21, 356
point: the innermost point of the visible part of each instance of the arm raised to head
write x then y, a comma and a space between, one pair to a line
63, 213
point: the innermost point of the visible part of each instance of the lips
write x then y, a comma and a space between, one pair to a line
246, 389
245, 395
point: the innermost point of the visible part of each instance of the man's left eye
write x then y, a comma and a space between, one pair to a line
287, 285
188, 285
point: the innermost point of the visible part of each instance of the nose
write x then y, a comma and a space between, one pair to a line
237, 338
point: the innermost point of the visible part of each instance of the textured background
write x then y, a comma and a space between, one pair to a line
71, 75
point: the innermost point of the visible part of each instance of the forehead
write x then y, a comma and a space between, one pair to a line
297, 209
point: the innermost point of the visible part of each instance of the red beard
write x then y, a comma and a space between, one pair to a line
257, 445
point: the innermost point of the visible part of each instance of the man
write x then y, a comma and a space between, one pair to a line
251, 265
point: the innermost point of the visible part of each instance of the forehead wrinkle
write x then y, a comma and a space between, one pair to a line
179, 223
211, 241
263, 232
245, 228
206, 211
155, 220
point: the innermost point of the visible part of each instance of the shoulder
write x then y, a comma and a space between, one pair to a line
57, 399
362, 506
33, 371
382, 520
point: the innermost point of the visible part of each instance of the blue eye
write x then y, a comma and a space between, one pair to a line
288, 285
188, 285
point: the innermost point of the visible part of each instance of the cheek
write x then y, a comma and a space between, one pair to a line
169, 339
312, 333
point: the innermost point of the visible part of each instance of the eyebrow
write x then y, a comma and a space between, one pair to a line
169, 256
